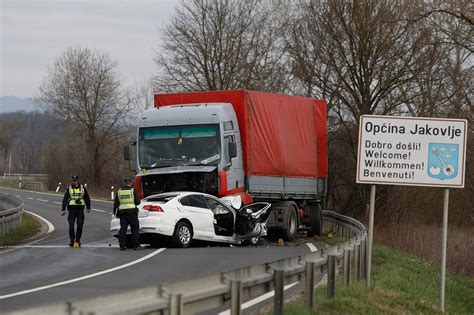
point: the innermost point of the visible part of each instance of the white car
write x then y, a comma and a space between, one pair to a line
185, 216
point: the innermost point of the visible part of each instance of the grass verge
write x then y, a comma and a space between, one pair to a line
28, 227
401, 284
10, 183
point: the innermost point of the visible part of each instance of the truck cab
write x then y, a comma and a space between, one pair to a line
192, 147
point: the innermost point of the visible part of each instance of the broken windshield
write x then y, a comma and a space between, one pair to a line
178, 145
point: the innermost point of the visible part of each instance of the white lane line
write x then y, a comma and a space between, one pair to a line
50, 194
98, 210
50, 226
259, 299
312, 248
29, 198
18, 196
57, 284
42, 200
58, 203
62, 246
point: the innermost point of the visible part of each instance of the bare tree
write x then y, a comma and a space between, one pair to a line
84, 90
358, 55
10, 126
144, 95
219, 45
443, 15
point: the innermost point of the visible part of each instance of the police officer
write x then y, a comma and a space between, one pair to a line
125, 208
75, 199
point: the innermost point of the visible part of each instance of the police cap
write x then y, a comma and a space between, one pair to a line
127, 180
75, 177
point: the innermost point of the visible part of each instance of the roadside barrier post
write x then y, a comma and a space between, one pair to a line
309, 289
347, 263
351, 256
59, 186
278, 303
357, 262
176, 304
331, 276
363, 259
19, 184
112, 197
236, 297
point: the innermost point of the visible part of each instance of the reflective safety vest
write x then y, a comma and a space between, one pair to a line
126, 199
76, 196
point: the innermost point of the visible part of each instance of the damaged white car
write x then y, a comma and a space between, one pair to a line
187, 216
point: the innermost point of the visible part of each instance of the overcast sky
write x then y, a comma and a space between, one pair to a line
35, 32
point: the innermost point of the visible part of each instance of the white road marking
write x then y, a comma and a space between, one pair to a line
98, 210
50, 226
42, 200
312, 248
58, 203
259, 299
6, 296
62, 246
18, 196
29, 198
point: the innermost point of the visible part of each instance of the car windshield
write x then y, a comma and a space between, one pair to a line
179, 145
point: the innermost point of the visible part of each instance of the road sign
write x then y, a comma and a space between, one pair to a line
412, 151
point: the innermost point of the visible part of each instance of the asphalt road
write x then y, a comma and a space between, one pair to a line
50, 271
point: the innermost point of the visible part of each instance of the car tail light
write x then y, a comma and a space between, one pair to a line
153, 208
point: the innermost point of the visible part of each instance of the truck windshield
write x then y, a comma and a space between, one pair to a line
178, 145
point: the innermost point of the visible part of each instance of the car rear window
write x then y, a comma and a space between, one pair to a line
160, 199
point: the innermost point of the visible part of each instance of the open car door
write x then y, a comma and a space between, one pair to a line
251, 220
223, 217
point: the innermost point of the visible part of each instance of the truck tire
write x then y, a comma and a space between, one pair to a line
291, 227
316, 220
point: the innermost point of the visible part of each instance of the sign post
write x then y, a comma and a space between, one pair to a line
444, 246
371, 234
411, 151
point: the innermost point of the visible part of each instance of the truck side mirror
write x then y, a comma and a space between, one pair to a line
232, 150
129, 154
126, 153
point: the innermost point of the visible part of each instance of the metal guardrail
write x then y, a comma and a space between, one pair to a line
233, 287
11, 217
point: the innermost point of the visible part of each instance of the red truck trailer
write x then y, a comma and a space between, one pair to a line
261, 146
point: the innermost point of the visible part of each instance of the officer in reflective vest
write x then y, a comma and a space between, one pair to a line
75, 199
125, 208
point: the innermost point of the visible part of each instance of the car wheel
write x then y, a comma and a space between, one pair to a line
289, 233
183, 234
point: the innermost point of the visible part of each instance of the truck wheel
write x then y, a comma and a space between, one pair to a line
183, 234
316, 219
289, 233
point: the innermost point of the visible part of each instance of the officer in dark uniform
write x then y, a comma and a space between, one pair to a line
125, 208
75, 199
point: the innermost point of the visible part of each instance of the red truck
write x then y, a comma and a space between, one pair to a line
261, 146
